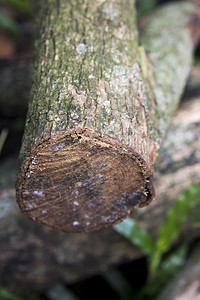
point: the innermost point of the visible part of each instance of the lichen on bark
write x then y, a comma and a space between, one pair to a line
87, 70
169, 45
95, 120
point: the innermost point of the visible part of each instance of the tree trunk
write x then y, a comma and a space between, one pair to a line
97, 116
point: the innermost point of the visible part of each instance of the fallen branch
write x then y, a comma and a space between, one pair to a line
44, 257
97, 113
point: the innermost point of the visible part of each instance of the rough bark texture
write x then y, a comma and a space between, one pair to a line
87, 87
170, 59
33, 258
177, 167
94, 124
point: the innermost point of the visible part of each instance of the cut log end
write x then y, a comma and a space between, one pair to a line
82, 181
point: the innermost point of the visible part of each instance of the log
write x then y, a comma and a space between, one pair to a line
34, 258
96, 117
177, 168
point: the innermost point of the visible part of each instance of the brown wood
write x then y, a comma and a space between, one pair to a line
85, 161
98, 187
98, 114
43, 257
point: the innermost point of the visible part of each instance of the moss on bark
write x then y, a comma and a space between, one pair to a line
96, 116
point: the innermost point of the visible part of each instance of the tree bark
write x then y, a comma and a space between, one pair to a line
97, 113
177, 167
34, 258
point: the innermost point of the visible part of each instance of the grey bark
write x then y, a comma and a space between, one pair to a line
96, 102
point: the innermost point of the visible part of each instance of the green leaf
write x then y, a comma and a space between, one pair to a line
145, 6
136, 235
6, 295
170, 228
166, 270
22, 5
197, 215
168, 231
8, 23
